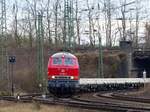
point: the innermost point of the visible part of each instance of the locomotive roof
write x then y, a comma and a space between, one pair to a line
65, 54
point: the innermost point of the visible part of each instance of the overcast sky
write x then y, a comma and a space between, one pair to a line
144, 5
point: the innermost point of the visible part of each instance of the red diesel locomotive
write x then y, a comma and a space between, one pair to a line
63, 73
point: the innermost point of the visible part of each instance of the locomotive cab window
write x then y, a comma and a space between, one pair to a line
69, 61
57, 61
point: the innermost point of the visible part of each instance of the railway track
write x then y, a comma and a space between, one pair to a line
126, 100
81, 102
125, 97
120, 105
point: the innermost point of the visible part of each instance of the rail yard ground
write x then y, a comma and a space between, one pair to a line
6, 106
25, 77
143, 93
89, 102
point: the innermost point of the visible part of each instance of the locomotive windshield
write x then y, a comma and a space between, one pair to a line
57, 61
69, 61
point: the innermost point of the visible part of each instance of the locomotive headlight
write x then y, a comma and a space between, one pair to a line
71, 77
53, 77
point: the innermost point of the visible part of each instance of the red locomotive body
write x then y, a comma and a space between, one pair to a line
63, 72
63, 66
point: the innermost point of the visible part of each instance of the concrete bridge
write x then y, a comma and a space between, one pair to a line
138, 60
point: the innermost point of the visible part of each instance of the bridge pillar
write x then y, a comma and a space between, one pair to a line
126, 46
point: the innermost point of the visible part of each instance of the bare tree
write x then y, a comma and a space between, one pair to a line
30, 31
55, 7
32, 17
137, 23
49, 14
16, 36
77, 23
94, 31
107, 10
89, 9
123, 18
123, 10
131, 32
147, 35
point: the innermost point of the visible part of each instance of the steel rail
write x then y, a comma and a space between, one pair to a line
74, 102
114, 105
